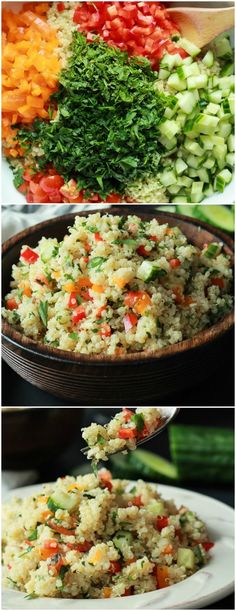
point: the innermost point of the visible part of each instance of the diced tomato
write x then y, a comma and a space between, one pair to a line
29, 255
49, 184
86, 259
128, 433
11, 304
60, 6
79, 314
115, 567
72, 303
207, 545
105, 478
105, 330
161, 523
113, 198
51, 544
83, 547
23, 188
137, 501
100, 311
129, 591
29, 198
218, 282
131, 297
130, 320
153, 238
98, 237
60, 529
143, 252
174, 263
127, 413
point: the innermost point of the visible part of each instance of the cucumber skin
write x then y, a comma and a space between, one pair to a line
202, 453
137, 461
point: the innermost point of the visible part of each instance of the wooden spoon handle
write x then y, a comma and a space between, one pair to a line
201, 26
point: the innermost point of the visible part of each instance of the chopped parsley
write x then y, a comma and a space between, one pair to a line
43, 312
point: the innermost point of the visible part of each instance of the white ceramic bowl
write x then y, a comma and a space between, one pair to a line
210, 584
10, 195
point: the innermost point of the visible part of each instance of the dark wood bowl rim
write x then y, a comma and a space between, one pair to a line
55, 354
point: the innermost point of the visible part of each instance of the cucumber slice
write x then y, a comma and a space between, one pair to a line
149, 270
62, 500
220, 216
166, 208
188, 210
152, 466
186, 558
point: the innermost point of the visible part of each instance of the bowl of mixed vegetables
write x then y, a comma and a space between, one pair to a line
107, 102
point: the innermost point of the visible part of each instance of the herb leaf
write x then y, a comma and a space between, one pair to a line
43, 312
96, 262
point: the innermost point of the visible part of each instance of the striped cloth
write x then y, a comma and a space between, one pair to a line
16, 218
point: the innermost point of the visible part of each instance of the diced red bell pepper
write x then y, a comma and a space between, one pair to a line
100, 311
98, 237
162, 522
30, 256
51, 544
60, 6
128, 433
207, 545
130, 320
137, 501
72, 303
83, 547
79, 314
131, 297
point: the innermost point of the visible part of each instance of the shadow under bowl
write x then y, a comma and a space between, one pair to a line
137, 378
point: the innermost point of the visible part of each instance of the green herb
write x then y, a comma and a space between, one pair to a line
33, 536
55, 251
12, 581
74, 336
43, 312
121, 222
138, 420
92, 229
109, 112
95, 469
31, 596
133, 490
18, 176
29, 548
96, 262
101, 440
211, 251
63, 571
20, 293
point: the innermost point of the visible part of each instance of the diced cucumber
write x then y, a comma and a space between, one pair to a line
157, 508
206, 124
208, 191
226, 82
196, 192
230, 159
175, 82
180, 199
209, 164
169, 129
163, 74
189, 47
174, 189
62, 500
186, 558
224, 129
222, 179
47, 251
208, 59
122, 537
168, 178
169, 61
186, 71
180, 166
230, 143
212, 250
184, 181
220, 152
227, 70
215, 96
187, 102
194, 162
149, 270
193, 147
212, 109
203, 175
216, 215
197, 82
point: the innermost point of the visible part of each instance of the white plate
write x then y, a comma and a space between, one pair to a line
10, 195
211, 583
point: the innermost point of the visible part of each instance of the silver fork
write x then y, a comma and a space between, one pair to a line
167, 415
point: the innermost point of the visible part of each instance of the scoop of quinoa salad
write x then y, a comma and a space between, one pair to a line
116, 285
94, 537
122, 432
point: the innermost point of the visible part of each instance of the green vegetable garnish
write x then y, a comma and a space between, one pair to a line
109, 112
138, 419
212, 250
33, 536
43, 312
96, 262
18, 176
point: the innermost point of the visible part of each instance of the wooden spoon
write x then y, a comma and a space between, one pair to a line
202, 25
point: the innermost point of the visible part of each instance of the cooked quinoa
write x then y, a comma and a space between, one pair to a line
94, 537
121, 433
116, 285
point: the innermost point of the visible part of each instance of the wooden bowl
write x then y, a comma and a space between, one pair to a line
107, 379
33, 436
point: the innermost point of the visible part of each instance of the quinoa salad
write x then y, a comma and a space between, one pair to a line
108, 102
116, 285
94, 537
122, 433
